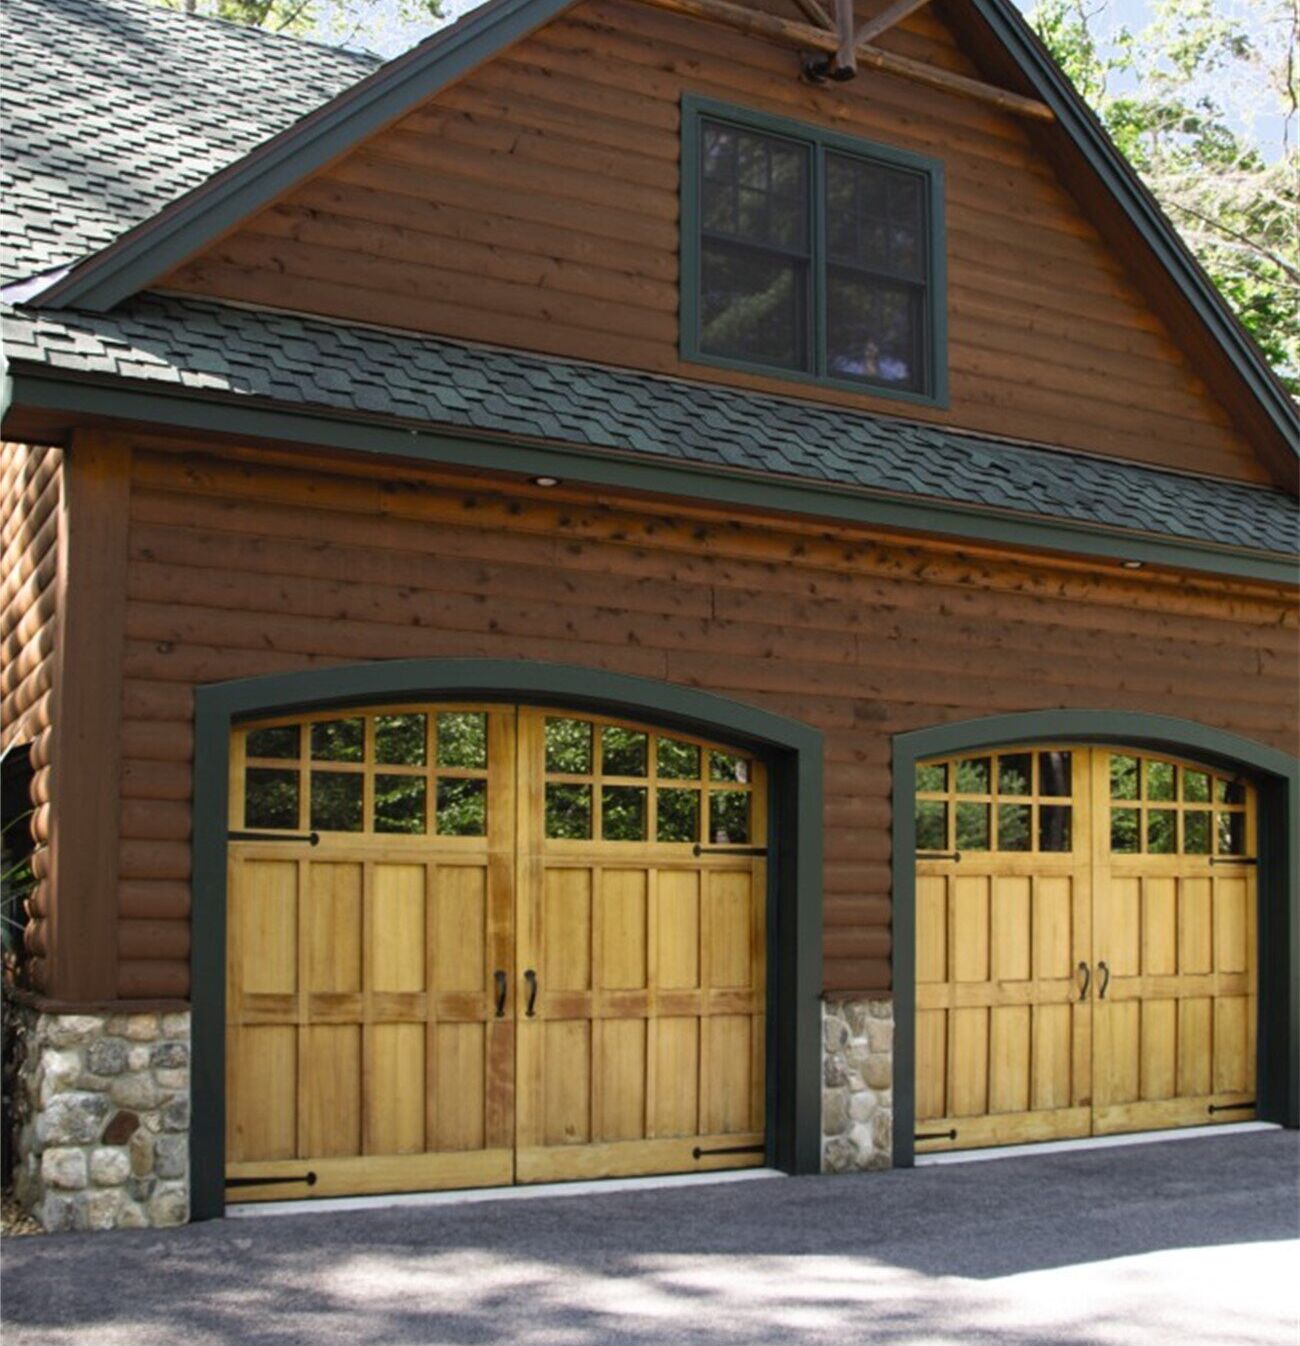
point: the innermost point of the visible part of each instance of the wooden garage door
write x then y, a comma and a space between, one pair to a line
1085, 946
473, 945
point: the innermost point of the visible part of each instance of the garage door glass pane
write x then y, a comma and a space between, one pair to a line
623, 813
400, 803
753, 306
679, 815
568, 746
462, 808
270, 798
279, 740
568, 812
678, 761
338, 740
400, 740
336, 801
462, 739
728, 817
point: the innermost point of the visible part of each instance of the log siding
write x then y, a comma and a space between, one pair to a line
245, 564
535, 203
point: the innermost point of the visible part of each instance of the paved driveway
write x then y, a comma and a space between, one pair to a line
1185, 1241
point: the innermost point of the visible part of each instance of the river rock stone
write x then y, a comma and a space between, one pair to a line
857, 1075
106, 1057
110, 1166
64, 1166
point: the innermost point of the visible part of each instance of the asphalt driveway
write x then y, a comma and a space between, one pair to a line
1185, 1241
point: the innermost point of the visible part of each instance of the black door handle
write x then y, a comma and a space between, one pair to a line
1105, 979
1087, 980
500, 978
531, 978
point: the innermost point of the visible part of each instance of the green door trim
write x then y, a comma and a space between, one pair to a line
792, 750
1277, 777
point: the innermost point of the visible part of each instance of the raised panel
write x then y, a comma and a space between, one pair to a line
1195, 926
1159, 1029
1053, 920
1009, 1058
730, 959
267, 907
623, 929
1118, 938
459, 934
1053, 1054
333, 927
677, 929
621, 1073
331, 1090
1011, 928
264, 1108
931, 928
970, 928
566, 1105
1230, 924
931, 1063
397, 937
968, 1062
566, 921
1116, 1052
395, 1095
1233, 1066
1159, 926
676, 1107
459, 1088
1195, 1046
727, 1102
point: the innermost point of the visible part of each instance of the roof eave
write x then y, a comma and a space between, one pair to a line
36, 389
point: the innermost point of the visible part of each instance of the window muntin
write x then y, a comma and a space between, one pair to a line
816, 256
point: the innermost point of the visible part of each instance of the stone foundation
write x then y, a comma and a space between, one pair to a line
103, 1119
857, 1085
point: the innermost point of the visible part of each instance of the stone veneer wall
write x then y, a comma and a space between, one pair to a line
103, 1119
857, 1085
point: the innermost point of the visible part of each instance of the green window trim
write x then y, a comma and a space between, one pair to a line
820, 141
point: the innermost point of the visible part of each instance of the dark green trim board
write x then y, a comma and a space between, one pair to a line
1275, 774
792, 750
157, 245
38, 391
819, 140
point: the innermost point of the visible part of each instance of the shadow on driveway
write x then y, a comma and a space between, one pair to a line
1184, 1241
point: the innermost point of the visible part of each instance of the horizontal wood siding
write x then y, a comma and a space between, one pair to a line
239, 567
31, 483
535, 204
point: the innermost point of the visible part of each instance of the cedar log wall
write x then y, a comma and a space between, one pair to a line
240, 566
535, 204
31, 488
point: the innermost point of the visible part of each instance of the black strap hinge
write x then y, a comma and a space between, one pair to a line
1229, 1107
936, 1135
698, 1153
728, 850
309, 1178
311, 839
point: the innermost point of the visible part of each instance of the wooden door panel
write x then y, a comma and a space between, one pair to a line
363, 1041
648, 1035
1175, 1026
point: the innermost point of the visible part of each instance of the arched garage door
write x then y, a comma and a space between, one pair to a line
483, 944
1085, 945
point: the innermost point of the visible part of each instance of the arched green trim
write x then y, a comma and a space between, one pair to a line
794, 754
1277, 776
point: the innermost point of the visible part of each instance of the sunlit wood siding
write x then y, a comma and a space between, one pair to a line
239, 567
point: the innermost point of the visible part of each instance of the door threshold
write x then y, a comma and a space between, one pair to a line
1089, 1143
474, 1195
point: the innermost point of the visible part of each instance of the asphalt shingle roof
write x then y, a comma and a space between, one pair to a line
319, 366
113, 108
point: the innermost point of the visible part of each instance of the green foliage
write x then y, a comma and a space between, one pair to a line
326, 19
1187, 100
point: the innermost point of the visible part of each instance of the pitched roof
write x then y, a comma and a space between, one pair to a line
140, 257
112, 109
309, 365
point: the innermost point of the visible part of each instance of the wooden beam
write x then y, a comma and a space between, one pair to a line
757, 23
846, 58
85, 798
887, 19
815, 14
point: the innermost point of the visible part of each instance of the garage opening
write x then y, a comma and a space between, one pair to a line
1086, 949
480, 944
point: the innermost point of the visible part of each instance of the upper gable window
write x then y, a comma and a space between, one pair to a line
809, 254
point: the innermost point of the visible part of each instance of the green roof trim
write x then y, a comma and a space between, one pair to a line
154, 247
644, 472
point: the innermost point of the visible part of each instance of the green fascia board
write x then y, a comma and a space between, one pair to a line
1081, 124
161, 243
820, 139
1276, 773
36, 389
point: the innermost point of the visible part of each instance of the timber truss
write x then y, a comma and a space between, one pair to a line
835, 46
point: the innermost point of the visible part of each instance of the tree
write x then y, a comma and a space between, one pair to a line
343, 21
1204, 102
